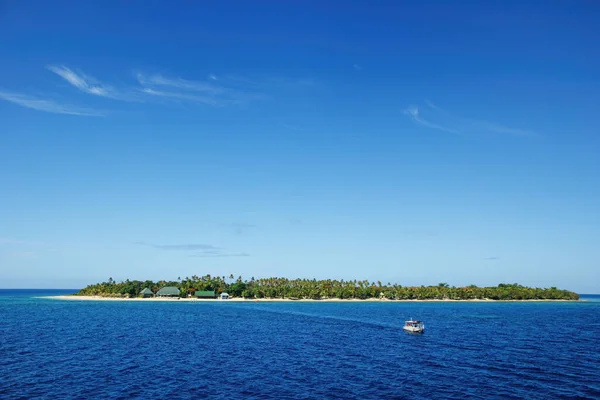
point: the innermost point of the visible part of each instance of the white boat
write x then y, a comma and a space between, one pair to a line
414, 326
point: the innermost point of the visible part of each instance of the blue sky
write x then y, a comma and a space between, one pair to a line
416, 142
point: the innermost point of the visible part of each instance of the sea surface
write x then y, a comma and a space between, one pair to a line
224, 350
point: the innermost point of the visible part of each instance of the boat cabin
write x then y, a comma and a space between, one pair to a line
414, 326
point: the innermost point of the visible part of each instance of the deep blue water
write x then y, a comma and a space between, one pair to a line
62, 349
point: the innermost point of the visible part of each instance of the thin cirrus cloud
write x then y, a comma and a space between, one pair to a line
197, 86
502, 129
207, 92
213, 91
83, 82
179, 96
435, 117
415, 115
237, 227
203, 250
180, 247
48, 105
210, 254
168, 88
90, 85
240, 227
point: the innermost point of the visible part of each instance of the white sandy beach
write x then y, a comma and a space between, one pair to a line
239, 299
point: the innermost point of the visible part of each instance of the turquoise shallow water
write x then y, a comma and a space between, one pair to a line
60, 349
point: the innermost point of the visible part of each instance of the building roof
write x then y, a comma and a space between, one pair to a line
146, 291
168, 291
205, 293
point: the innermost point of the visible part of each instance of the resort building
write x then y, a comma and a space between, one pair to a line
168, 291
146, 293
205, 294
224, 296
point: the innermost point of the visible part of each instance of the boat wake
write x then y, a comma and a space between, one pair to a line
362, 322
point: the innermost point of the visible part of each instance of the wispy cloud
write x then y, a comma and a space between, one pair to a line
241, 227
161, 86
196, 86
502, 129
83, 82
203, 250
238, 227
438, 118
207, 255
228, 90
413, 112
431, 105
48, 105
180, 247
180, 96
207, 92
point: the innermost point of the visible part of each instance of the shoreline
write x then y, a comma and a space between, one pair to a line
271, 300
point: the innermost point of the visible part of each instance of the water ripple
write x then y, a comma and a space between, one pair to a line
73, 350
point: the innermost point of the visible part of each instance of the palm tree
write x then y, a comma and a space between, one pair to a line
278, 287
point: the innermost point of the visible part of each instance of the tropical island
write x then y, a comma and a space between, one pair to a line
313, 289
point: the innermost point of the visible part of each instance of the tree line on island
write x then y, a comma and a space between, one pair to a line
283, 288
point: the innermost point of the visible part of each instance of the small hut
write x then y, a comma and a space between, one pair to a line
205, 294
224, 296
147, 293
168, 291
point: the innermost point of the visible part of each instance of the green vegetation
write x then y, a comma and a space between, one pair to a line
280, 288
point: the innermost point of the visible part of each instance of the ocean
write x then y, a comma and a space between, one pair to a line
54, 349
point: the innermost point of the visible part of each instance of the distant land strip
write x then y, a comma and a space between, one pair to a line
312, 289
